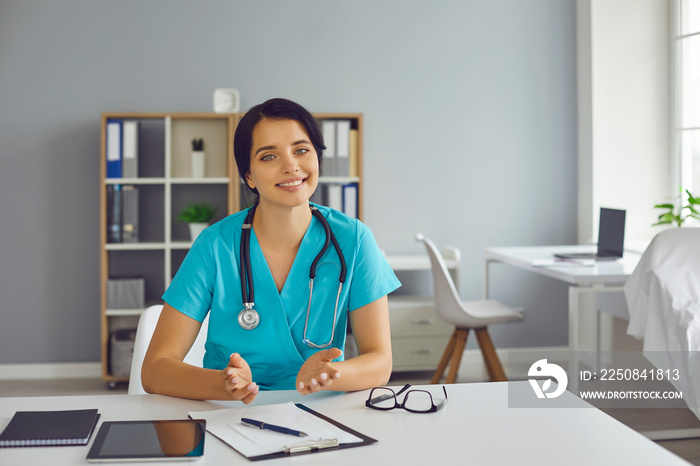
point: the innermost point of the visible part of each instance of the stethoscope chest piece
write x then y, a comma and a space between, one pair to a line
248, 319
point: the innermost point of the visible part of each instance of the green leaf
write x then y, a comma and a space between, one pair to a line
692, 199
664, 206
669, 218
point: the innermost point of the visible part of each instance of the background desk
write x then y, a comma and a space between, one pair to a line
476, 427
604, 277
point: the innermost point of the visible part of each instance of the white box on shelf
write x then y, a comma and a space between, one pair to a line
125, 293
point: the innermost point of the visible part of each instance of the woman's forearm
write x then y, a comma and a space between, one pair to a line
364, 371
167, 376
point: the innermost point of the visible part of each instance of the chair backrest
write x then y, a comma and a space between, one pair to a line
144, 332
447, 299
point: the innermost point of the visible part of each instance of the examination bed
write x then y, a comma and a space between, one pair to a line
663, 299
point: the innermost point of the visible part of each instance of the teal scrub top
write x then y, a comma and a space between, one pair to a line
209, 280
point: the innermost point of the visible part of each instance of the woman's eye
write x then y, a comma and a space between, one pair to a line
302, 151
267, 157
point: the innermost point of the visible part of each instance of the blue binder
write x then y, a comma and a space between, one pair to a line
114, 149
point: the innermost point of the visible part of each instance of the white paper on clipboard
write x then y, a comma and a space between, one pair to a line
226, 425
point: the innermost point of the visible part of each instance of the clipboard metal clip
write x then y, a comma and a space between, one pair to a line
308, 446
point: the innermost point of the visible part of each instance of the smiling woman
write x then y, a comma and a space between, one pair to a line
279, 280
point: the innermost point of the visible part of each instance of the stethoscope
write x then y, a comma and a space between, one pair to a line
249, 318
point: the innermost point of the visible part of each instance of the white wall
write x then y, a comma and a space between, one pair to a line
625, 124
470, 132
624, 127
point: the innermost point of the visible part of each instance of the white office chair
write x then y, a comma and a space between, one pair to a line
465, 315
144, 332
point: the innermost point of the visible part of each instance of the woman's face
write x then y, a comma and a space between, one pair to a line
283, 163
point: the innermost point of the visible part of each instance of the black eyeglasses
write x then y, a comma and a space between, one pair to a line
415, 401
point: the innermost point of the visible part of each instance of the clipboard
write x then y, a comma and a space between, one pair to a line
316, 448
306, 447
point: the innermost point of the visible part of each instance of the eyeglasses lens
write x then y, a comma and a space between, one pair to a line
418, 401
383, 398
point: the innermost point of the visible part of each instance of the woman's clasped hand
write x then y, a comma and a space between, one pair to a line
238, 379
316, 374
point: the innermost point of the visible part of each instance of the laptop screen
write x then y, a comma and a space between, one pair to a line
611, 232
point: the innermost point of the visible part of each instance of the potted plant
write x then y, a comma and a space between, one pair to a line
675, 211
197, 216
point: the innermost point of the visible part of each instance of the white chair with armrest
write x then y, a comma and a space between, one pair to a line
465, 316
144, 332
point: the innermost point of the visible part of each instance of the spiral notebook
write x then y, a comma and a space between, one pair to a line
49, 428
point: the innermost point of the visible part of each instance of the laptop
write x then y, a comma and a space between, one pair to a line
611, 237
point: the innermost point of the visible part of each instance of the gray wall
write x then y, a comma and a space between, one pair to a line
470, 120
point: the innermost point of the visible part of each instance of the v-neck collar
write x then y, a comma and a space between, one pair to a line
298, 273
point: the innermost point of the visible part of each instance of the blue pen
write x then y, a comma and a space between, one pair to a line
264, 425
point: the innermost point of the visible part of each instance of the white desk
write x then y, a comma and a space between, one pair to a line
605, 276
476, 427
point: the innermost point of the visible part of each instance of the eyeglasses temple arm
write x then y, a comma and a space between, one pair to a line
405, 387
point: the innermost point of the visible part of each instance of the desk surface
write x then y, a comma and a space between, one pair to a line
476, 427
415, 262
603, 273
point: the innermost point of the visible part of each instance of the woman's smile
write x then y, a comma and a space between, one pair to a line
295, 183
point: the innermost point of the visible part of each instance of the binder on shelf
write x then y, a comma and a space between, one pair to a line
130, 214
49, 428
354, 153
334, 196
328, 128
114, 149
342, 149
114, 215
130, 148
350, 200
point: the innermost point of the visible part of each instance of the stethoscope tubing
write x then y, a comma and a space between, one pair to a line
248, 292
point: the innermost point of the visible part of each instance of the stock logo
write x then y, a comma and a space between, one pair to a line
542, 370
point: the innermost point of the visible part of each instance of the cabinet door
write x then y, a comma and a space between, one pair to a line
416, 317
417, 353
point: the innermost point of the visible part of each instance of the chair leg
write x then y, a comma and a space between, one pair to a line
493, 364
446, 355
457, 352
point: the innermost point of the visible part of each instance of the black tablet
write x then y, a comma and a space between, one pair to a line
168, 440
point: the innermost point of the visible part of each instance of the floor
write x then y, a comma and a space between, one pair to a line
638, 419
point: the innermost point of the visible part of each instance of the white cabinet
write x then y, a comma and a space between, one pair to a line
418, 334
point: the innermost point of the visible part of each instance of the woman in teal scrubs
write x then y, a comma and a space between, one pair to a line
278, 148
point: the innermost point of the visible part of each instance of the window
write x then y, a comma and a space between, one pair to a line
687, 43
